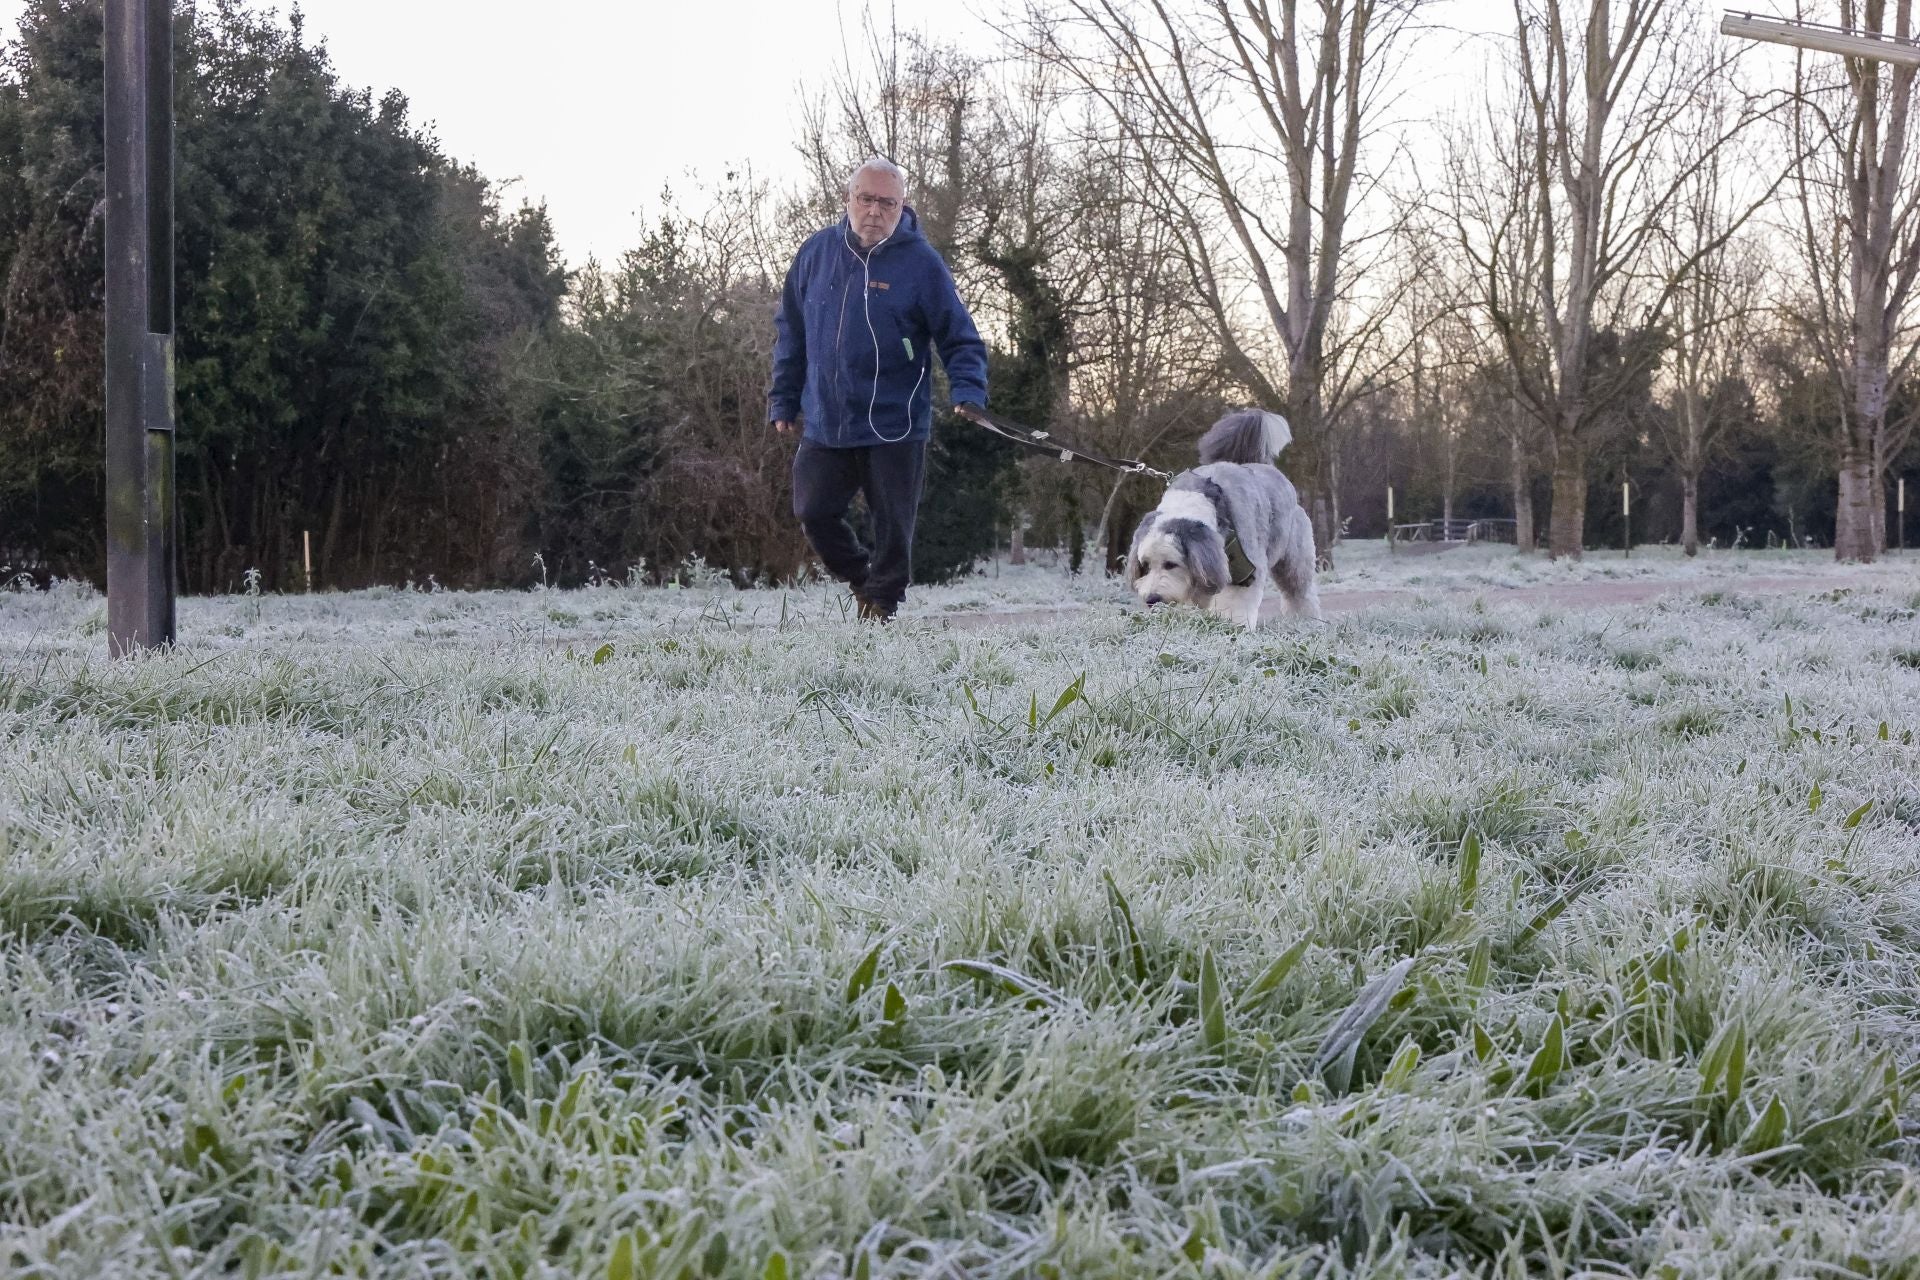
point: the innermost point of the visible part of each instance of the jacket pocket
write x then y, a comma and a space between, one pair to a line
898, 346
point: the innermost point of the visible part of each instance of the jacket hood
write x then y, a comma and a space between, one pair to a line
906, 233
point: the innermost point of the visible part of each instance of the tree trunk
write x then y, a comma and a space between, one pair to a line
1310, 470
1878, 483
1859, 506
1522, 493
1320, 511
214, 558
330, 542
1017, 545
1309, 461
1566, 529
1076, 529
1117, 519
1333, 498
1690, 512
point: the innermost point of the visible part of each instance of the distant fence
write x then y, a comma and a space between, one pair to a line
1456, 531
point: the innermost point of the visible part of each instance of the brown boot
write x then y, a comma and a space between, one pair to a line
874, 611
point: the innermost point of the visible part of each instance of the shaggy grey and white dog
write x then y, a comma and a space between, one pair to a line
1234, 501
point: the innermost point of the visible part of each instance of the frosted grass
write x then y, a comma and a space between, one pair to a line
707, 934
75, 617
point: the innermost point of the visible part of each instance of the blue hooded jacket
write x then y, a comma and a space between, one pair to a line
854, 330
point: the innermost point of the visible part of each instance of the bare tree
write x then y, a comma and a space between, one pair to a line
1715, 314
1445, 357
1563, 235
1858, 203
1147, 368
897, 94
1490, 197
1523, 446
664, 369
1251, 120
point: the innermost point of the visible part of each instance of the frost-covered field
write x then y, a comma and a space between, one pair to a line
660, 933
1366, 573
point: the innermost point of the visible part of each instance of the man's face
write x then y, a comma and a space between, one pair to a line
873, 206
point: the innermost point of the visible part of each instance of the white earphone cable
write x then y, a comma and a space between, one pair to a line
866, 299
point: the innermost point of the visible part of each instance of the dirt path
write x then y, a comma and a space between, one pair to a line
1577, 595
1571, 595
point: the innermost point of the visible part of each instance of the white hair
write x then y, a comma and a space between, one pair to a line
877, 164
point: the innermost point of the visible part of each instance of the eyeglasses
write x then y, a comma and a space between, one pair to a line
886, 204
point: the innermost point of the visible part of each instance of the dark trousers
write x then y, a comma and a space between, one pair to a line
889, 477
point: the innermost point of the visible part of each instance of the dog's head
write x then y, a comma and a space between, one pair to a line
1176, 560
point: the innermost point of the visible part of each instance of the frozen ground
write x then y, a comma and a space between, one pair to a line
648, 933
1366, 575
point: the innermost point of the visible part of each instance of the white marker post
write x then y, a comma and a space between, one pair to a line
1390, 545
1626, 518
1901, 521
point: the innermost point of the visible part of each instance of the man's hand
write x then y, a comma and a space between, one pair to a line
782, 425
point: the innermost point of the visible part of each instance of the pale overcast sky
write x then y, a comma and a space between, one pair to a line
594, 105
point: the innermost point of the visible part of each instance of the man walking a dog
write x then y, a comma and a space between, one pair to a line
866, 303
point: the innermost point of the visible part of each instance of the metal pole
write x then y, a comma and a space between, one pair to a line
139, 357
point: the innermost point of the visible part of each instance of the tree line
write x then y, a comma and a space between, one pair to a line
381, 367
1623, 260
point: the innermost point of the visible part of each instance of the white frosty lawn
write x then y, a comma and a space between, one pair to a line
650, 933
75, 618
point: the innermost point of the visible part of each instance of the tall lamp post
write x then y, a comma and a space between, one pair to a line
1848, 42
1800, 34
139, 358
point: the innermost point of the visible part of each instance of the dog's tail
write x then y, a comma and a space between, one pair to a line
1251, 435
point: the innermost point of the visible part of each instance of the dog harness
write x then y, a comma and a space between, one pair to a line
1241, 570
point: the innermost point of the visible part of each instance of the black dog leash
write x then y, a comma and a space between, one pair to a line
1019, 433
